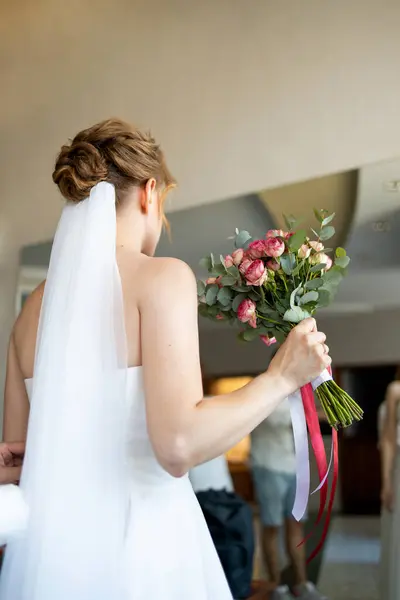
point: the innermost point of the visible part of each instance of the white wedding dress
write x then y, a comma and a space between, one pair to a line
169, 553
105, 520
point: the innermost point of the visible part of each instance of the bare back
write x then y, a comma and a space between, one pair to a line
133, 269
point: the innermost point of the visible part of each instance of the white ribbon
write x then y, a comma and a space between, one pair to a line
302, 459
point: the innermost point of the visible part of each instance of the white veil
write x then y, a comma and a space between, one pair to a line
74, 479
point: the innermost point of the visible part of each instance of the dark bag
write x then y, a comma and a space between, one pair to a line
230, 521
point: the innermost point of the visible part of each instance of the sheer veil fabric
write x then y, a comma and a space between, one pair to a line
75, 475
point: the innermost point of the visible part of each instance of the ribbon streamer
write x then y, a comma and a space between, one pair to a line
304, 416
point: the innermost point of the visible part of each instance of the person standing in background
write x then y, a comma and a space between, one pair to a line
389, 445
274, 475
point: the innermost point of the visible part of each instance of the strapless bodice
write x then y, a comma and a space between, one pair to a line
140, 456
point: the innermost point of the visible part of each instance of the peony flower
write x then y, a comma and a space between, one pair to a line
247, 313
257, 249
272, 233
304, 251
267, 340
273, 265
237, 256
274, 247
317, 246
245, 265
321, 258
256, 274
228, 261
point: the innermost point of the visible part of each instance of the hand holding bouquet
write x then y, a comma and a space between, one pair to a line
268, 286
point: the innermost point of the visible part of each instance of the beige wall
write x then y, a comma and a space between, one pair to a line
244, 96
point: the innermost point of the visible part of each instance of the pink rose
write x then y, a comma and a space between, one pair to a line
304, 251
321, 258
256, 274
274, 247
237, 256
228, 261
317, 246
247, 313
289, 234
214, 280
245, 265
267, 340
273, 265
257, 249
272, 233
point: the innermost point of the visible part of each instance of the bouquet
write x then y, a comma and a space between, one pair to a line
269, 285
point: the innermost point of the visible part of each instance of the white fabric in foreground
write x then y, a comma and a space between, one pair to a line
13, 513
106, 520
74, 478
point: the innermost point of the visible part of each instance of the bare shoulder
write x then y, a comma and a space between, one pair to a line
168, 276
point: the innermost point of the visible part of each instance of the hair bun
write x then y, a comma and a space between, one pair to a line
79, 167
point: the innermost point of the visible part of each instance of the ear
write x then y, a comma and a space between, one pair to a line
147, 196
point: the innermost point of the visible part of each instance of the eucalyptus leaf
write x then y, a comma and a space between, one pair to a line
228, 280
309, 297
214, 310
280, 336
206, 263
318, 268
234, 271
342, 261
292, 297
201, 287
251, 334
241, 288
218, 270
324, 297
327, 232
224, 296
318, 215
333, 276
297, 240
340, 252
264, 309
328, 220
295, 315
288, 263
314, 284
211, 294
242, 239
290, 221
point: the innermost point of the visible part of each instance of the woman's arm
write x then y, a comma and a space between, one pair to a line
184, 430
16, 403
388, 443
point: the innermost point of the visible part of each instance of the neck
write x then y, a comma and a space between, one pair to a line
130, 228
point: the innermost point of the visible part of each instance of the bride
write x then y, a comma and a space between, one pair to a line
103, 374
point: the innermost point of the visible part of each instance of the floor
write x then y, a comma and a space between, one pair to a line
351, 563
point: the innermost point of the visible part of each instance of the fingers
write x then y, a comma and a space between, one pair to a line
316, 337
16, 448
307, 326
10, 474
